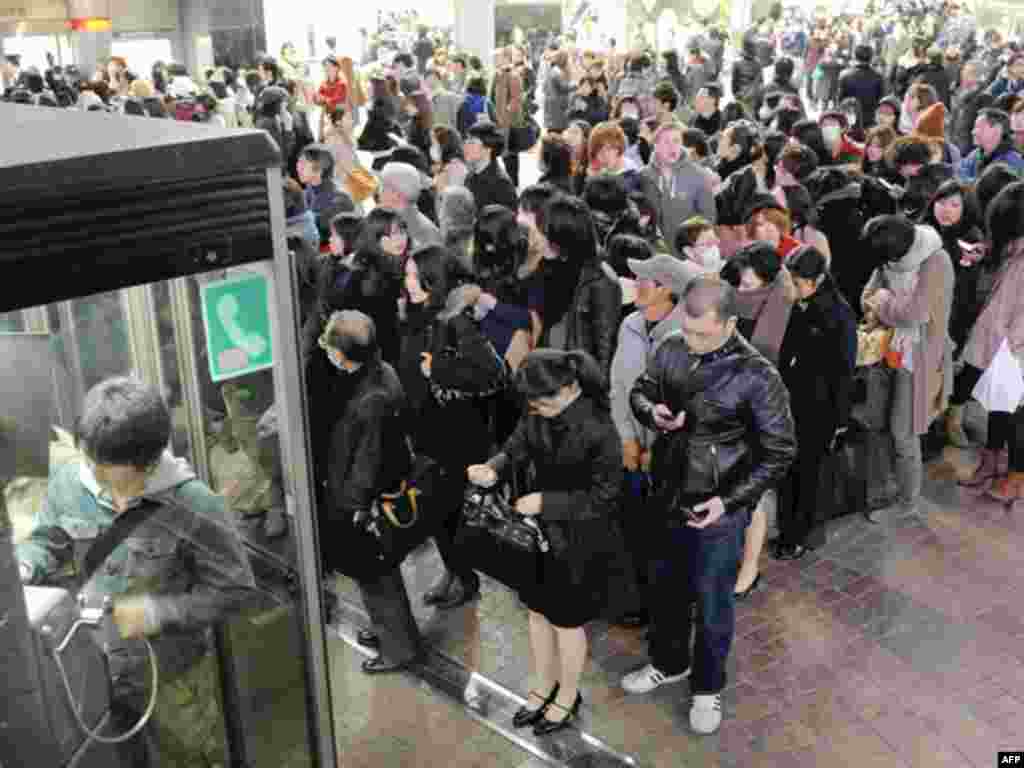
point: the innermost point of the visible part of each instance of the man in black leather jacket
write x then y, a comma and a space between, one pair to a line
360, 452
726, 436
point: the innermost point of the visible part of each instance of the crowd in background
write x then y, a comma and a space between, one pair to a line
723, 238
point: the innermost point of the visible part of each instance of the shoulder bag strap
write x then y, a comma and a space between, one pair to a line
123, 527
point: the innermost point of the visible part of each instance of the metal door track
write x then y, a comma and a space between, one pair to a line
490, 703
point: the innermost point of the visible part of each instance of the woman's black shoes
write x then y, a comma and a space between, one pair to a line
744, 594
525, 717
790, 552
452, 592
545, 727
368, 639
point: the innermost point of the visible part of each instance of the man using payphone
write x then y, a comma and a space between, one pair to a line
150, 549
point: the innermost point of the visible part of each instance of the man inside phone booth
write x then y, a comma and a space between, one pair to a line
177, 566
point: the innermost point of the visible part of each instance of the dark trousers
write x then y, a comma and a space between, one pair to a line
1005, 430
695, 568
511, 161
636, 531
452, 496
798, 500
387, 602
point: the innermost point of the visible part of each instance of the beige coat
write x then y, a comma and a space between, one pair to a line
930, 304
1002, 318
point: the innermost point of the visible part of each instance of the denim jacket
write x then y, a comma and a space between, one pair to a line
186, 560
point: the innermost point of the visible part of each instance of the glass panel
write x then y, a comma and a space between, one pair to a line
141, 55
222, 602
12, 322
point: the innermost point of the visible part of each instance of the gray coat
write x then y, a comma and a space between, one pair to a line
689, 194
422, 231
634, 350
446, 109
557, 91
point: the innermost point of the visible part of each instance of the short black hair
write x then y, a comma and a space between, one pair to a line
863, 53
534, 198
784, 69
888, 238
347, 226
405, 59
622, 248
124, 422
605, 193
992, 181
666, 92
321, 158
695, 138
713, 90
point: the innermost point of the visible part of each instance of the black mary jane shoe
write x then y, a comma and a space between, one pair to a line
792, 552
382, 666
525, 716
368, 639
744, 594
439, 592
546, 727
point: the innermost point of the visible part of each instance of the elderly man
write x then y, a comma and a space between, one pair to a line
401, 187
726, 436
361, 452
994, 141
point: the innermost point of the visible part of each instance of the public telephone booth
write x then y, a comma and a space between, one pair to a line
156, 249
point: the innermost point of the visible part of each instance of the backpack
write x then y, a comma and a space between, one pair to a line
475, 106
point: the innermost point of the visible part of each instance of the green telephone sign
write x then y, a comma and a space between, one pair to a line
236, 317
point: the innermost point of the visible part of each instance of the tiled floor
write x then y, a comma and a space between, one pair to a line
899, 644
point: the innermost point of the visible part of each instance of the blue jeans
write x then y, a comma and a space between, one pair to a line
695, 568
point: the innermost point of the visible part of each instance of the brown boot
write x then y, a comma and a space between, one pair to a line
1009, 488
955, 427
987, 470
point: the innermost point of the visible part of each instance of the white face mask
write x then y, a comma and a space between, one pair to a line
765, 112
435, 153
832, 134
710, 256
631, 113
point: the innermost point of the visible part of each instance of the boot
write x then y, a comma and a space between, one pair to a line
987, 470
1009, 488
955, 427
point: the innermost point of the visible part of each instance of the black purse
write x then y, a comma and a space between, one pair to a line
498, 541
398, 522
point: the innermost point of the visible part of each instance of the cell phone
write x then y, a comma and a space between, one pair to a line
697, 515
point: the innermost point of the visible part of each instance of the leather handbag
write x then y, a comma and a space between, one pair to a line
399, 521
498, 541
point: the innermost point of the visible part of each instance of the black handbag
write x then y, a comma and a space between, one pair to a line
398, 522
498, 541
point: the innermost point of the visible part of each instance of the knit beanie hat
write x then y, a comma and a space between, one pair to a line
932, 122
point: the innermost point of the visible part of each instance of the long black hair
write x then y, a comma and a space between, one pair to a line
545, 371
970, 219
436, 274
809, 263
499, 248
568, 226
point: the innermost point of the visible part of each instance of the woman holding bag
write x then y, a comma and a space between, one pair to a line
1001, 319
569, 435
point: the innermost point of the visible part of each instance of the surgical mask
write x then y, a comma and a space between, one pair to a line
710, 256
435, 153
631, 113
851, 118
832, 134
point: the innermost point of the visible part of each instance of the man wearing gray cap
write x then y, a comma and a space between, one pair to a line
400, 188
660, 283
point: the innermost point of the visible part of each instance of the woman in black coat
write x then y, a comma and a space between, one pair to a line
816, 360
569, 436
582, 295
448, 371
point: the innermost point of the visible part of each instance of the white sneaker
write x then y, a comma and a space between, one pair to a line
648, 678
706, 713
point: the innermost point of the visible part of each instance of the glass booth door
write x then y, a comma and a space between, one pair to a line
209, 343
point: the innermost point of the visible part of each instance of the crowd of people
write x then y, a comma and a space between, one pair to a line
667, 327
